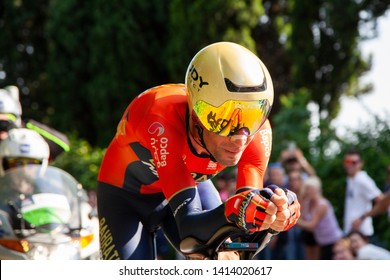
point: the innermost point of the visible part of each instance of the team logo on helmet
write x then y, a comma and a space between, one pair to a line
197, 81
24, 148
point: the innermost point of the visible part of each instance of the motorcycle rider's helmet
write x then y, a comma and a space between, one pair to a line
23, 146
10, 108
229, 89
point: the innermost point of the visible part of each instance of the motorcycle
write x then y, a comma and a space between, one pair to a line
44, 215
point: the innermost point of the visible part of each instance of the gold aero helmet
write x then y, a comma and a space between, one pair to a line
229, 89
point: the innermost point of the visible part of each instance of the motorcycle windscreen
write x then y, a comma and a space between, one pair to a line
45, 209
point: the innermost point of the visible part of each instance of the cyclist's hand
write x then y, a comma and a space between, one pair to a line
288, 207
250, 211
228, 255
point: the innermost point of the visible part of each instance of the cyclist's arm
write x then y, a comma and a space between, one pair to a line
177, 181
253, 163
191, 220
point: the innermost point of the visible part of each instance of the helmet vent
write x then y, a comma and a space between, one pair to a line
236, 88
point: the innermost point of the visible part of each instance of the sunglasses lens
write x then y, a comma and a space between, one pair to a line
233, 116
16, 162
6, 125
353, 162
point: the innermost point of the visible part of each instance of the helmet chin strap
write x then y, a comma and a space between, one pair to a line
203, 144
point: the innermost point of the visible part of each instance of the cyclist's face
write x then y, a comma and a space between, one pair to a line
227, 150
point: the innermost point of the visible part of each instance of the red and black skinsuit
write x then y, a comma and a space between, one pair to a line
151, 176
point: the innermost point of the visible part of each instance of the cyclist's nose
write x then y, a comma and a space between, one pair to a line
239, 140
240, 137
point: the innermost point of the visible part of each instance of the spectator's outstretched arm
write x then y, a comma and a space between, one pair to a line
382, 202
298, 154
304, 163
380, 206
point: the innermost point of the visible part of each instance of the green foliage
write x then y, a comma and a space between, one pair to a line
23, 52
314, 44
102, 55
292, 123
195, 24
324, 40
82, 162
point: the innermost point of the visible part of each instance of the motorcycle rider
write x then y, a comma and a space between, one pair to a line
21, 147
10, 111
11, 117
48, 207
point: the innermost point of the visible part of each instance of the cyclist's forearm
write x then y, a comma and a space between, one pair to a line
191, 220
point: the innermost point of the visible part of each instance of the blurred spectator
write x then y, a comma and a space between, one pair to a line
292, 158
318, 217
277, 248
378, 208
387, 191
295, 182
364, 250
342, 249
387, 184
295, 245
361, 192
276, 175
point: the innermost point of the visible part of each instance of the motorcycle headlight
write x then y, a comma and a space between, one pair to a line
65, 251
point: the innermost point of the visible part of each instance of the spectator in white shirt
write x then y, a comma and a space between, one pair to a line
364, 250
361, 192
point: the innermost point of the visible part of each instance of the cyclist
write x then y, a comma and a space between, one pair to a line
172, 139
11, 117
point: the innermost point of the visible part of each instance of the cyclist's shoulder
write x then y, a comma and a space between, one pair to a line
164, 90
159, 98
157, 101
